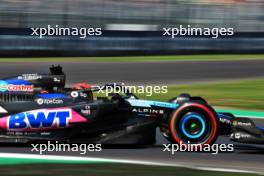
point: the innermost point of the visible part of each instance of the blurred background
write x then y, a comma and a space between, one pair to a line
130, 27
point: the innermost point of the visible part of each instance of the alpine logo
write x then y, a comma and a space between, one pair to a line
40, 119
148, 111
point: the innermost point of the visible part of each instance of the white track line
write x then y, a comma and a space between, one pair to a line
123, 161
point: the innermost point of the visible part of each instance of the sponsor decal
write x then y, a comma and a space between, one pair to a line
15, 88
21, 133
30, 77
226, 121
20, 88
241, 136
40, 119
149, 103
74, 94
3, 86
56, 80
41, 101
84, 95
238, 123
148, 111
237, 135
86, 110
165, 105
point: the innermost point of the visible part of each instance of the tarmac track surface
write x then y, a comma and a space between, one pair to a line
145, 73
245, 158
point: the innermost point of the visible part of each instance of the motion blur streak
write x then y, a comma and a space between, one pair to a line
245, 15
130, 28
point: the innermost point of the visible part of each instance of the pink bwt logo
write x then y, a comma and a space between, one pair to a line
42, 119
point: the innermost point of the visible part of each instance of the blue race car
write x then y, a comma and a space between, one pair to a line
38, 107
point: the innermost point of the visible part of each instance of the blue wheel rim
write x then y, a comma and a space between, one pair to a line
191, 117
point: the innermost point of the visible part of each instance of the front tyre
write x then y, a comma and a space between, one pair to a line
193, 123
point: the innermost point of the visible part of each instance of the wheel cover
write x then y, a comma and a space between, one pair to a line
193, 125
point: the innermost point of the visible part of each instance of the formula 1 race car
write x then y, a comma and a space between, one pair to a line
39, 107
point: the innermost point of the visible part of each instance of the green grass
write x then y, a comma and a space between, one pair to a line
138, 58
246, 94
106, 170
19, 161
